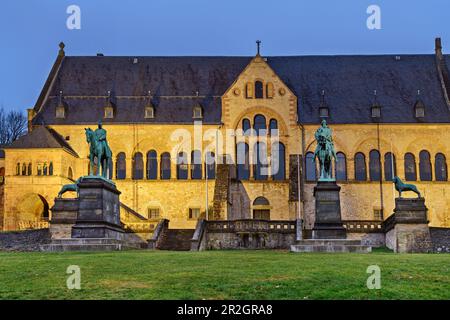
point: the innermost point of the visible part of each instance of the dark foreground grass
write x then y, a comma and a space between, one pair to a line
223, 275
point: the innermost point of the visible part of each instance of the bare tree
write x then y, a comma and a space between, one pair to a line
12, 126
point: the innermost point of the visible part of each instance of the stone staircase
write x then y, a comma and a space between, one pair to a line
176, 240
330, 245
88, 244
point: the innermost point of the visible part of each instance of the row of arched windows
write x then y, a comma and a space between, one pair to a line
42, 169
261, 168
259, 126
183, 166
390, 167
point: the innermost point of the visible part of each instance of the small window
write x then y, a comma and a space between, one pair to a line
45, 169
30, 169
121, 166
109, 113
50, 169
18, 169
197, 112
39, 169
24, 169
246, 127
149, 112
259, 90
378, 214
194, 213
153, 213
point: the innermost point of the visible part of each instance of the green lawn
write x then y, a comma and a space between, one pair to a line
223, 275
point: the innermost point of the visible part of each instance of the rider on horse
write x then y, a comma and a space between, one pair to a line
100, 134
324, 150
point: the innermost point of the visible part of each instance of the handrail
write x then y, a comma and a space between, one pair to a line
197, 238
158, 233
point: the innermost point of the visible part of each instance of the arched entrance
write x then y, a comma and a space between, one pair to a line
33, 208
261, 209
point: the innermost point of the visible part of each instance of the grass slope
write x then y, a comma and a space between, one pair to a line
223, 275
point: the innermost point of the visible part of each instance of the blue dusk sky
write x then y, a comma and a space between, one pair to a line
31, 30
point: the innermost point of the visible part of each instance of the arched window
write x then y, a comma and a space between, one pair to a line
259, 90
152, 165
138, 166
246, 127
50, 169
374, 165
273, 127
390, 166
270, 90
260, 162
24, 169
243, 161
425, 166
165, 166
261, 209
210, 165
70, 173
121, 167
182, 166
260, 125
440, 167
310, 166
278, 162
410, 167
45, 169
18, 169
341, 167
30, 169
249, 90
196, 164
360, 167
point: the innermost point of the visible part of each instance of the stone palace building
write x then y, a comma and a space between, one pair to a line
390, 115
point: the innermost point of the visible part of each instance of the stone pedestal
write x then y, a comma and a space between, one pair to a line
407, 229
328, 222
64, 216
99, 210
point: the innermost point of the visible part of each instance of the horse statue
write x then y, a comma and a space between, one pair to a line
400, 187
99, 149
324, 151
69, 187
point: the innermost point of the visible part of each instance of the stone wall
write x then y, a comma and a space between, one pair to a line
441, 239
29, 240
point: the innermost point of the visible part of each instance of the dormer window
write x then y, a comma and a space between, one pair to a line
324, 112
149, 112
109, 107
419, 109
61, 107
197, 112
109, 113
375, 112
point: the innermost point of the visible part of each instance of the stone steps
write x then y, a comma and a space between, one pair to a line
177, 240
330, 245
88, 244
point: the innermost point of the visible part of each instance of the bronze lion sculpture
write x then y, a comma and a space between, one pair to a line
400, 187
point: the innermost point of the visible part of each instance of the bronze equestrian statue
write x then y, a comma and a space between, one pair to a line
400, 187
98, 147
324, 151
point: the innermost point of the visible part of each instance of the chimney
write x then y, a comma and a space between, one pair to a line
438, 48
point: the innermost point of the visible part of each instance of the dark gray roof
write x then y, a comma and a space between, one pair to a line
41, 137
348, 81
